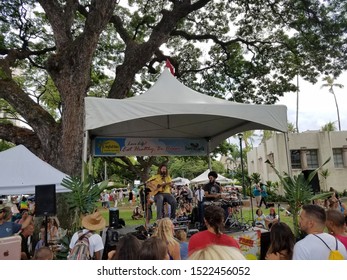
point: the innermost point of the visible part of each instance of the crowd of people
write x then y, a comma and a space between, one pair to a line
16, 218
211, 243
323, 226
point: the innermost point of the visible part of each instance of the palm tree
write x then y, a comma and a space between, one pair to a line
330, 84
248, 139
297, 103
267, 134
330, 126
291, 128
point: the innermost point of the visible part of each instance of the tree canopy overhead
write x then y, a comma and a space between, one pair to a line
53, 53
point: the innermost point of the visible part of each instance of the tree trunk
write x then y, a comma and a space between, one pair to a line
337, 110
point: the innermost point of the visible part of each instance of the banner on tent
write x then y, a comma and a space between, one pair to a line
111, 146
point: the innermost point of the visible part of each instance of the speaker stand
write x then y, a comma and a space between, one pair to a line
46, 228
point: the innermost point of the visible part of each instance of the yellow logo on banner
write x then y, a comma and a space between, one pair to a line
110, 147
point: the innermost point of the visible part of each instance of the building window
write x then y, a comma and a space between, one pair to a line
295, 159
338, 158
312, 159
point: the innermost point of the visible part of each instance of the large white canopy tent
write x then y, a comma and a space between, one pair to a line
170, 109
21, 171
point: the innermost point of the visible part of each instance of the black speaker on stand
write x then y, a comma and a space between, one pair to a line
45, 204
113, 220
111, 233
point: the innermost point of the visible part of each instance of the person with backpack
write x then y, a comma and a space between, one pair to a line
317, 245
86, 244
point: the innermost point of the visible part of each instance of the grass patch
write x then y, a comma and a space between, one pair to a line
126, 211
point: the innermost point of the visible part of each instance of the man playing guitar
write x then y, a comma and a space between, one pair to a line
160, 186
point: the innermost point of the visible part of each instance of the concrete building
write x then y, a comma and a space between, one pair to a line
306, 152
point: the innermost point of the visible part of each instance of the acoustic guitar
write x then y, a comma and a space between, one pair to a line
154, 189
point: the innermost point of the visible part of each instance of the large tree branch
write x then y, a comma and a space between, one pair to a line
38, 118
137, 55
61, 19
19, 135
223, 44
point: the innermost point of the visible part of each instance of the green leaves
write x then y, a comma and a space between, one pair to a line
298, 191
83, 196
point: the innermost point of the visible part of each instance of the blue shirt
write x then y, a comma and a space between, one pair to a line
184, 250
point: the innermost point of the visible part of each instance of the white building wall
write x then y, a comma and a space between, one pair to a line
275, 150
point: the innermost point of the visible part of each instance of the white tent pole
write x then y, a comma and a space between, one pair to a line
84, 151
208, 154
85, 146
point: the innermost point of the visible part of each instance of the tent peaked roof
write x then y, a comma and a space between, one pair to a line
169, 90
169, 109
21, 171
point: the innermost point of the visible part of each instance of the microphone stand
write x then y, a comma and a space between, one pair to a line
251, 196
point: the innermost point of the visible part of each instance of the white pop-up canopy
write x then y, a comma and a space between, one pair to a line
203, 179
170, 109
179, 181
21, 171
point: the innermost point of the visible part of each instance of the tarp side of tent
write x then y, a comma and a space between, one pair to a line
21, 171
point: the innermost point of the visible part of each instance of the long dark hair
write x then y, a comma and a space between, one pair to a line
282, 239
214, 216
128, 248
153, 248
159, 169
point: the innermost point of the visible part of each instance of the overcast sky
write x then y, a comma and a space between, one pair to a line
317, 105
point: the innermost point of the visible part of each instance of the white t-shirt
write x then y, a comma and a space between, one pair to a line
260, 220
200, 193
95, 242
312, 248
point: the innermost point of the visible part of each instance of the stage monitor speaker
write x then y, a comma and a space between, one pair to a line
315, 186
45, 201
113, 217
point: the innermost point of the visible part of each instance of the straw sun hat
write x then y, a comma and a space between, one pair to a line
94, 221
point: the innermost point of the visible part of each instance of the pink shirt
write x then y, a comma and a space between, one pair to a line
343, 239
